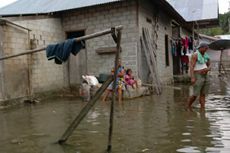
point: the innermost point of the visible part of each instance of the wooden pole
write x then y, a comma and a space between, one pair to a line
84, 111
118, 40
149, 64
150, 47
90, 36
24, 53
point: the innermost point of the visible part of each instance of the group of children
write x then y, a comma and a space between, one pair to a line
124, 79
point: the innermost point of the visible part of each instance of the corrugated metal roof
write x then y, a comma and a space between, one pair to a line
23, 7
195, 10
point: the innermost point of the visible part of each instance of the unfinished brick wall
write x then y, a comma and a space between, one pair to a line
102, 17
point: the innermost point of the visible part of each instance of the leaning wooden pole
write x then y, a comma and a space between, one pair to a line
118, 41
84, 111
90, 104
90, 36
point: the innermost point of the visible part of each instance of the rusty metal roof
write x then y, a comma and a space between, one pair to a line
26, 7
195, 10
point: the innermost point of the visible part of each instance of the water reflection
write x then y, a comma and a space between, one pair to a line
153, 124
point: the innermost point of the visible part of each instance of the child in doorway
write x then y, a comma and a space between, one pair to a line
129, 79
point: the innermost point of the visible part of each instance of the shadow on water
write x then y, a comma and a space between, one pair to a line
153, 124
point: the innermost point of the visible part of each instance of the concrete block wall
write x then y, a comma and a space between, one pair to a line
46, 75
14, 76
165, 72
1, 63
146, 11
102, 17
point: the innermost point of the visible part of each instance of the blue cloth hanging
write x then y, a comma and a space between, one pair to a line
60, 52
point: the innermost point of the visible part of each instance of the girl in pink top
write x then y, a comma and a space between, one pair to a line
129, 79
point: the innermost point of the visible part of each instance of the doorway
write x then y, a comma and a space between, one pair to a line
77, 65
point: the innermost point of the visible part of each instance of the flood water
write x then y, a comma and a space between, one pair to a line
152, 124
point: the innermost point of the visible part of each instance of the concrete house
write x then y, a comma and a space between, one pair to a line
27, 24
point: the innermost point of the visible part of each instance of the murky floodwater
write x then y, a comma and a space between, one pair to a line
153, 124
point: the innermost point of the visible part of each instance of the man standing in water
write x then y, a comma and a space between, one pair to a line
199, 67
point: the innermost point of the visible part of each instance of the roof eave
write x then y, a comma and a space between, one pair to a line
205, 23
170, 11
55, 12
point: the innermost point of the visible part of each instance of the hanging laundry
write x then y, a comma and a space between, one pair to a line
190, 44
186, 42
183, 41
179, 47
60, 52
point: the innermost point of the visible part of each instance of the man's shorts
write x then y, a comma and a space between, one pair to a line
201, 85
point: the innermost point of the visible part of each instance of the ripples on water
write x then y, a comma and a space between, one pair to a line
154, 124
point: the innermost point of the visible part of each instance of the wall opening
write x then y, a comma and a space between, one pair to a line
75, 34
176, 47
166, 51
77, 65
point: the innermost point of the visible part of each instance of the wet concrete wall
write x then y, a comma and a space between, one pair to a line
14, 72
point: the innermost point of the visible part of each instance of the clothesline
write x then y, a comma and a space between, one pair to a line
86, 37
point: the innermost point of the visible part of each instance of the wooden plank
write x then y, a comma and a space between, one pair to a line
149, 63
153, 61
84, 111
148, 41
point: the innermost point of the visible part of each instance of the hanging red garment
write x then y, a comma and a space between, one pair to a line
183, 42
184, 59
186, 42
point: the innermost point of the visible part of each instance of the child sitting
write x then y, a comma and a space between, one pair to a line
129, 79
119, 83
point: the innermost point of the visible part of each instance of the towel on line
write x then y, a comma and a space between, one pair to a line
60, 52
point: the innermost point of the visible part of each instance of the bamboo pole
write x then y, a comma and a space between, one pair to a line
90, 36
118, 41
84, 111
24, 53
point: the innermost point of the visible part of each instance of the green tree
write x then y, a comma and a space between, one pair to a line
223, 27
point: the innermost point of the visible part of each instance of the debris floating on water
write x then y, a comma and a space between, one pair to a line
144, 150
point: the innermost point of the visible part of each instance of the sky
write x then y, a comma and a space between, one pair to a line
223, 4
5, 2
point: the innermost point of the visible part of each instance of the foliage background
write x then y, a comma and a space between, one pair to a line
222, 29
